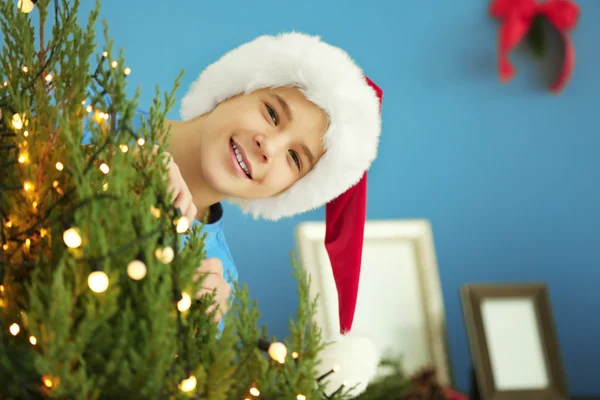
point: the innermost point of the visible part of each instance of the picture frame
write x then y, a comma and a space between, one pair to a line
400, 304
513, 341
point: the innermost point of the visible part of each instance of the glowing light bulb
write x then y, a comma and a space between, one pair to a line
9, 224
98, 281
105, 54
165, 255
124, 148
72, 238
301, 397
114, 64
295, 355
5, 246
17, 122
26, 133
1, 288
27, 186
136, 270
182, 224
47, 382
59, 166
189, 384
23, 158
32, 340
336, 368
89, 108
277, 351
185, 303
28, 243
254, 392
43, 232
49, 78
141, 141
25, 69
55, 184
26, 6
5, 83
14, 329
155, 211
104, 168
105, 187
127, 71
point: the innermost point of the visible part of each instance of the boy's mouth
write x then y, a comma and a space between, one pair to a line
241, 159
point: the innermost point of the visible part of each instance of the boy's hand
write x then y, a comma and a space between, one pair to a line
182, 195
214, 282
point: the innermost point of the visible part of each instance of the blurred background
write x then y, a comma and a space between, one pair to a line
508, 175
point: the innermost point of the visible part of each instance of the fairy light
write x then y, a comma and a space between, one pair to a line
59, 166
9, 224
72, 238
124, 148
98, 281
89, 108
43, 232
106, 116
141, 141
182, 224
25, 69
5, 83
295, 355
331, 371
189, 384
254, 391
105, 186
278, 351
185, 303
155, 211
26, 6
28, 243
136, 270
127, 71
165, 255
23, 158
17, 121
27, 186
105, 54
14, 329
104, 168
114, 64
26, 133
1, 288
5, 246
48, 382
49, 78
301, 397
32, 340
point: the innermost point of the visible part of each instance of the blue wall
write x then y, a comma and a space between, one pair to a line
508, 175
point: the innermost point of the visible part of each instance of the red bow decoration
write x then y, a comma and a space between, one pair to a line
517, 18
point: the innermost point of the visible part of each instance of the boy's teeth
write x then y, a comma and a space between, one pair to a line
239, 158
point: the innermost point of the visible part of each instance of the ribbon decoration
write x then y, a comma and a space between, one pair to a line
517, 18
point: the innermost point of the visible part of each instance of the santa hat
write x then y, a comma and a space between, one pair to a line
328, 77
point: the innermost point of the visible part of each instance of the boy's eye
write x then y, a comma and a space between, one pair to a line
296, 158
273, 115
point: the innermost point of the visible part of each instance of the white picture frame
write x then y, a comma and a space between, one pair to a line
400, 303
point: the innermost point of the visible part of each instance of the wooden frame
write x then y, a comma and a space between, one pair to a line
502, 370
400, 297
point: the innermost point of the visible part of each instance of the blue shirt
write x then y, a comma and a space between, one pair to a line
215, 244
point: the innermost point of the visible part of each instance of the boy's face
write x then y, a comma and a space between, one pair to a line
257, 145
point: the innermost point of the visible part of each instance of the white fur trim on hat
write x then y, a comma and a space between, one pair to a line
329, 78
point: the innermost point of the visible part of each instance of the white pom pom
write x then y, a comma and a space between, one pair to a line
357, 359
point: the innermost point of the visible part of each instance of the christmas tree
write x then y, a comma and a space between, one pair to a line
97, 268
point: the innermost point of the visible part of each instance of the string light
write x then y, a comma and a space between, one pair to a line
5, 83
47, 382
254, 391
141, 141
15, 329
26, 6
295, 355
17, 121
32, 340
28, 243
98, 281
185, 303
49, 78
25, 69
26, 133
27, 186
165, 255
1, 288
189, 384
277, 351
124, 148
8, 224
182, 224
23, 158
59, 166
136, 270
105, 54
301, 397
114, 64
325, 375
127, 71
89, 108
72, 238
155, 211
104, 168
105, 186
